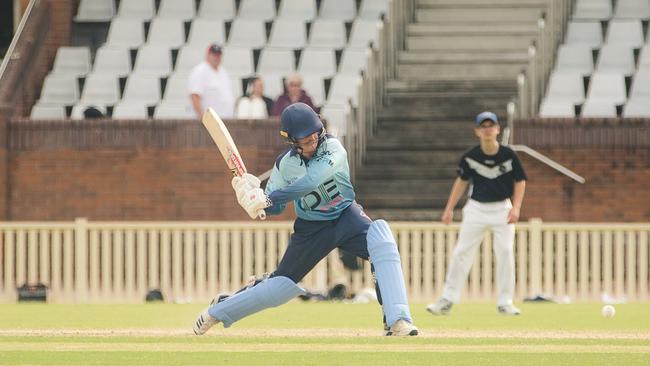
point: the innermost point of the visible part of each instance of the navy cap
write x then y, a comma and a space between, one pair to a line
486, 116
214, 48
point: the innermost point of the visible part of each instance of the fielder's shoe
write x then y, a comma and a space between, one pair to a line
204, 322
402, 328
508, 310
440, 307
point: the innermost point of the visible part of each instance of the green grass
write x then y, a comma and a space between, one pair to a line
322, 334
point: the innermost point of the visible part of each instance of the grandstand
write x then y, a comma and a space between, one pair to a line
396, 80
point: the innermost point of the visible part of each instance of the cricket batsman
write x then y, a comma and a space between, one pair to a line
314, 173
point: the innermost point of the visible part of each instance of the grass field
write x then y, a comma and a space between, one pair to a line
322, 334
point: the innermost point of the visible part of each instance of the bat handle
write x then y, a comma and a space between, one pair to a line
261, 214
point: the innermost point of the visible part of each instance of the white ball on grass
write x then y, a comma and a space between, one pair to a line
608, 311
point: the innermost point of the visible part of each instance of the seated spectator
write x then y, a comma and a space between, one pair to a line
293, 93
255, 104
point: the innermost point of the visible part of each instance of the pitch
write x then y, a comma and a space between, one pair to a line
322, 334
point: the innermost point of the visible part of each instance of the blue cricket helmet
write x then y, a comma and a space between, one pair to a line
299, 121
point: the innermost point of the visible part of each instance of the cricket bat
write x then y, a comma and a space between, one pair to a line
221, 137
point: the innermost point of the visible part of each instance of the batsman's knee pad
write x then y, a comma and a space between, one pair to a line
388, 270
266, 294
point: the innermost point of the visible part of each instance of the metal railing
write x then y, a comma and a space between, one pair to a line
382, 66
119, 262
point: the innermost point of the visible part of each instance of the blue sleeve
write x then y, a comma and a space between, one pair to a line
321, 167
275, 182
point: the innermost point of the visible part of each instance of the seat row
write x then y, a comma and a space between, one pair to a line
603, 9
265, 10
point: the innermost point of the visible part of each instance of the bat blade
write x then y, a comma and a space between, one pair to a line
221, 137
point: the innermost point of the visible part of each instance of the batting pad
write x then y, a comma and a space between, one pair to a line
266, 294
388, 270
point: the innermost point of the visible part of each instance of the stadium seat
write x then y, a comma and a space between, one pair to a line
353, 61
288, 33
373, 9
593, 9
112, 60
363, 32
100, 89
553, 108
567, 86
327, 34
318, 62
237, 86
585, 32
190, 56
314, 86
602, 108
60, 90
174, 111
95, 11
607, 86
343, 88
217, 9
575, 58
644, 57
166, 32
344, 10
141, 88
616, 58
143, 10
335, 116
247, 33
625, 32
238, 61
304, 10
206, 31
176, 9
257, 9
153, 60
126, 32
176, 88
72, 61
273, 85
276, 61
632, 9
641, 85
128, 110
47, 111
637, 107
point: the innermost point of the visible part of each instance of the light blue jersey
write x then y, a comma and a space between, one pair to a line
320, 188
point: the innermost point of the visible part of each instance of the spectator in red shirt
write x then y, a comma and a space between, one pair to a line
294, 93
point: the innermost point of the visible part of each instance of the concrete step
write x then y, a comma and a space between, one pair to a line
470, 57
388, 171
441, 43
424, 143
408, 214
476, 4
459, 71
460, 108
424, 87
425, 159
409, 200
489, 15
437, 29
398, 186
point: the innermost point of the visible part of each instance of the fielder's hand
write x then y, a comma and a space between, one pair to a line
245, 183
254, 202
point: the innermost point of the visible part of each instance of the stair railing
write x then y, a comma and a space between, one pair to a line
532, 81
361, 118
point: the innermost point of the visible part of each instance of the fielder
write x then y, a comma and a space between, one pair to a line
314, 174
498, 184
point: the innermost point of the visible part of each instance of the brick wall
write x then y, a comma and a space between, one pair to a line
130, 170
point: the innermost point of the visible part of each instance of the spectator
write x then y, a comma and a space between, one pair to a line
293, 93
254, 104
209, 86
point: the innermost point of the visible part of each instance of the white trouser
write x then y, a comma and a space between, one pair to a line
478, 217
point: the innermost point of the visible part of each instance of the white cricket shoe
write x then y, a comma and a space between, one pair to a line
440, 307
402, 328
508, 310
204, 322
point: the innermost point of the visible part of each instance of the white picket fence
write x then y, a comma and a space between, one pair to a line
119, 262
